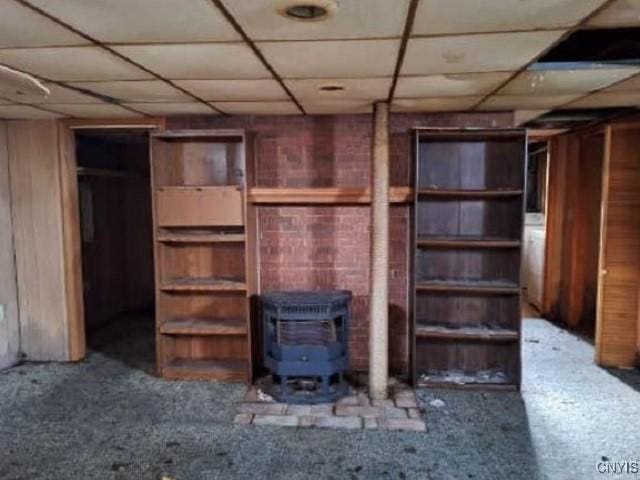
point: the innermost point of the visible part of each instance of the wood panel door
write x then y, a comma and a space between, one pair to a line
619, 264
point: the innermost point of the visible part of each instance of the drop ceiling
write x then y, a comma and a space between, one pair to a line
127, 58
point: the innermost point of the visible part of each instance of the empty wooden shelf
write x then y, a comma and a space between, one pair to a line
204, 246
473, 193
483, 380
467, 333
483, 287
203, 285
204, 326
468, 242
468, 217
201, 238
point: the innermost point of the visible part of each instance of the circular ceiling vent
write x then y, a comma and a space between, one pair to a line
308, 10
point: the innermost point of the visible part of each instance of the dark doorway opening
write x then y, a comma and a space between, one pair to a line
117, 244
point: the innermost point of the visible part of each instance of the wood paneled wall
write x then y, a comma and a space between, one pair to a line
38, 237
9, 326
573, 222
619, 286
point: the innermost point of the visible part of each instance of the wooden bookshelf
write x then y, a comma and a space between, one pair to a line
204, 241
468, 216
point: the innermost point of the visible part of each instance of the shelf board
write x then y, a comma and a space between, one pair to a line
204, 326
446, 192
229, 370
214, 136
201, 237
481, 287
458, 380
203, 285
329, 195
467, 242
107, 172
467, 333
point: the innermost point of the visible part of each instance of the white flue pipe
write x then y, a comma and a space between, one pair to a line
379, 284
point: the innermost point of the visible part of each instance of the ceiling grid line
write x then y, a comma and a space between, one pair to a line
98, 96
562, 38
251, 44
31, 105
406, 34
105, 47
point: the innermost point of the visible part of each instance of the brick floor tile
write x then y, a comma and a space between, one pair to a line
392, 412
262, 408
349, 400
408, 424
414, 413
371, 423
322, 410
406, 402
243, 418
307, 421
279, 420
383, 403
359, 411
339, 422
298, 410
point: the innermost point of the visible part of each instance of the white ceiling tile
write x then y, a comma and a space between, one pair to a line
229, 90
265, 20
57, 94
174, 108
258, 108
354, 89
140, 21
328, 107
71, 63
198, 61
475, 53
450, 85
520, 117
437, 17
25, 112
136, 90
622, 13
565, 81
99, 110
525, 102
332, 59
627, 85
22, 27
604, 99
440, 104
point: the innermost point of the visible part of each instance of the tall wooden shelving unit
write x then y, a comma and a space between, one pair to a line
204, 232
469, 187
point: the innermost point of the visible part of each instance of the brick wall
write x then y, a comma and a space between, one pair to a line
328, 246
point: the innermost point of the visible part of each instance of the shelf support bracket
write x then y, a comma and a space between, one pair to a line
379, 283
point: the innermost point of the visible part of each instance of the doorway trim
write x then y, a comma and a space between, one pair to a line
71, 240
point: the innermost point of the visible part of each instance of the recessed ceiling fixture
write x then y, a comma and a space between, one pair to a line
308, 10
331, 88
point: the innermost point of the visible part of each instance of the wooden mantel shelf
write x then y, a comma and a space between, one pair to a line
329, 195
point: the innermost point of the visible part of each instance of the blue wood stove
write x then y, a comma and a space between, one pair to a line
306, 344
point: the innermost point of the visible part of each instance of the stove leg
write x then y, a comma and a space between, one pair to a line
325, 384
283, 387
